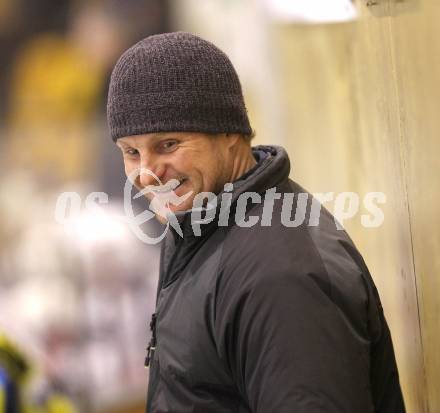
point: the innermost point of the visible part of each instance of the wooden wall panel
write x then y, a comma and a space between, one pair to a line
416, 52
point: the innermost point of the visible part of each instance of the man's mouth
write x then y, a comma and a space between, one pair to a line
182, 181
170, 186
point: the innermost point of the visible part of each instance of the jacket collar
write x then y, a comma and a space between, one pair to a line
270, 171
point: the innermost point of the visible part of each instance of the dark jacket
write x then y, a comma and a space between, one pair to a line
269, 318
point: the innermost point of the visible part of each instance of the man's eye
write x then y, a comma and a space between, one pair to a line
131, 151
168, 146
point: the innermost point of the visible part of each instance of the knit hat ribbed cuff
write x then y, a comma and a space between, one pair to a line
194, 114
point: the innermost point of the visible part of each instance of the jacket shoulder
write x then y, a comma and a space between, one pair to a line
319, 257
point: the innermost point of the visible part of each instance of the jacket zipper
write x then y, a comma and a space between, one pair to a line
152, 344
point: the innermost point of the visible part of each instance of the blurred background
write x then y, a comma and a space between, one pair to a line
350, 89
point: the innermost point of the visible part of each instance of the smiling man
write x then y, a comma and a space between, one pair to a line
199, 162
268, 318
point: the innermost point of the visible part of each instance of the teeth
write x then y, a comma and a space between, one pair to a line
169, 186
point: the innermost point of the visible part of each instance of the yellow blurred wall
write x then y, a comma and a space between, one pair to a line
356, 105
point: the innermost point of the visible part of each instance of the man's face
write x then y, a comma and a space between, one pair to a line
200, 162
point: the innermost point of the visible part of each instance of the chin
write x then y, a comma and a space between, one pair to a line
161, 219
161, 216
161, 211
180, 208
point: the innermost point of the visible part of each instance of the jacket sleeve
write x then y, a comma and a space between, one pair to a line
287, 345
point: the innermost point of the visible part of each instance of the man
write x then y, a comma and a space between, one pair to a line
273, 317
14, 369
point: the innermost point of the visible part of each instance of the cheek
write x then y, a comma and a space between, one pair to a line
201, 171
208, 179
129, 170
129, 166
217, 172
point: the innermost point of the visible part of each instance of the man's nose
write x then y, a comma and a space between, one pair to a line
151, 172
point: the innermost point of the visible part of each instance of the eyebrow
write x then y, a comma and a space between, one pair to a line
152, 140
121, 144
163, 135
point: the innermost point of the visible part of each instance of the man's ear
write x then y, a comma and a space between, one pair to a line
232, 139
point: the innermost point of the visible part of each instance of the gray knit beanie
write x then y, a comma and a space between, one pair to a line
175, 82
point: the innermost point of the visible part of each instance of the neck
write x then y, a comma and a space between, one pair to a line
243, 161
